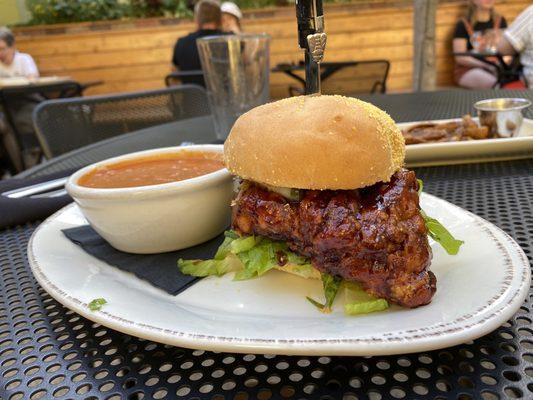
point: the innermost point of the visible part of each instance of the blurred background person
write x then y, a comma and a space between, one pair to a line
231, 17
477, 31
15, 64
208, 19
12, 62
518, 38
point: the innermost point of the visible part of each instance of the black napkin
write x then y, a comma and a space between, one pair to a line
160, 270
19, 211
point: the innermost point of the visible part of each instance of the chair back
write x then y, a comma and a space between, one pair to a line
355, 77
66, 124
195, 77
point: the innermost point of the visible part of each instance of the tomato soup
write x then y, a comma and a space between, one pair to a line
153, 170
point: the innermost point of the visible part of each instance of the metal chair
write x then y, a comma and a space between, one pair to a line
64, 125
195, 77
352, 77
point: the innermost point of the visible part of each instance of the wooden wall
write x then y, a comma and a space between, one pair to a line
137, 57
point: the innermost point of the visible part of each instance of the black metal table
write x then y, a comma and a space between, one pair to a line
296, 71
47, 351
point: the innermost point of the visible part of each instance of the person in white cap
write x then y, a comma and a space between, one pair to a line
231, 17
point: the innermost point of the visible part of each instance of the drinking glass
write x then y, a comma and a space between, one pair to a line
236, 73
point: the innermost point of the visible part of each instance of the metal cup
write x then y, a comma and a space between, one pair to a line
502, 116
236, 72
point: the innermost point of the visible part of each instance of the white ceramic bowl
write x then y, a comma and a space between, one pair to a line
157, 218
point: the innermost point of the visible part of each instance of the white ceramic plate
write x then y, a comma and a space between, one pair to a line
477, 291
472, 151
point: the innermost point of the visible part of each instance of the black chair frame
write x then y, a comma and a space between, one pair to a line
86, 103
179, 75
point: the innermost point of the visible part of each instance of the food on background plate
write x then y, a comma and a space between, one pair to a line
465, 129
152, 170
324, 195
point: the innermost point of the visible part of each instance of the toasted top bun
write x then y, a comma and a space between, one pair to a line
315, 142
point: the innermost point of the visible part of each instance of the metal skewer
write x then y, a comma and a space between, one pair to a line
312, 39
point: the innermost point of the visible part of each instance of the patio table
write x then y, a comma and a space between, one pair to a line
47, 351
296, 71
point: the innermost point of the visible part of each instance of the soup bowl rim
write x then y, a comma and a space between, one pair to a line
148, 191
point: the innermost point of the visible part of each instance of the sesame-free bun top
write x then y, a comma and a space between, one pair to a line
315, 142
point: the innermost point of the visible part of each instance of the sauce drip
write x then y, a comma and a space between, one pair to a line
153, 170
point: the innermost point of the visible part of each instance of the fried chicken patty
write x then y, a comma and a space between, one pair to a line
375, 235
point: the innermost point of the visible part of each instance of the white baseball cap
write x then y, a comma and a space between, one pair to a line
231, 8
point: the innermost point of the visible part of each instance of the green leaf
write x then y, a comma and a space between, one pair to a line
420, 186
96, 304
441, 235
318, 305
330, 284
233, 243
260, 259
358, 301
366, 307
438, 232
249, 256
243, 244
203, 268
306, 271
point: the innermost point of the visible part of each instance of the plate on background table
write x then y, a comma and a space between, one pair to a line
477, 291
22, 81
471, 151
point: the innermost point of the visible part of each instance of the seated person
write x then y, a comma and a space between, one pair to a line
207, 16
231, 17
518, 38
476, 31
16, 64
12, 62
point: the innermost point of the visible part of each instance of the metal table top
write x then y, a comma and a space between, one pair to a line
47, 351
401, 107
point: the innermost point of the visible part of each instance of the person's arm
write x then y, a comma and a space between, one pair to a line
459, 46
505, 48
519, 34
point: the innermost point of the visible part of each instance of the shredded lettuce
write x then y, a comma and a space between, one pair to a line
97, 304
306, 271
438, 232
249, 257
441, 235
216, 267
365, 307
357, 301
420, 186
331, 285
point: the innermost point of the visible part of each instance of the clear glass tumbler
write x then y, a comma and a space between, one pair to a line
236, 73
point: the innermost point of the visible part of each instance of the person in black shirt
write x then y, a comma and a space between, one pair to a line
207, 16
479, 31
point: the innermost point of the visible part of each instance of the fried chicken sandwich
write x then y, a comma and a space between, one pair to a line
323, 193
